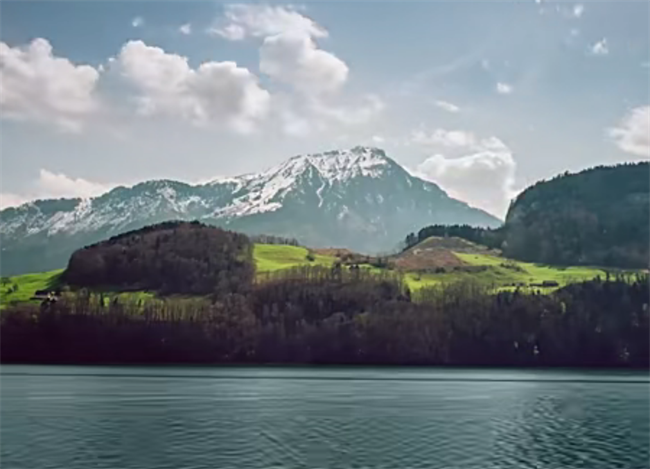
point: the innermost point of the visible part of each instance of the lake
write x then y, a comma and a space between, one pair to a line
166, 417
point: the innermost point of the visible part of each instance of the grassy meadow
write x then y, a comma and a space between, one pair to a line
502, 273
493, 271
273, 257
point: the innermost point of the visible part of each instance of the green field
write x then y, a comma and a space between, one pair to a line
502, 273
499, 273
267, 257
26, 286
29, 283
273, 257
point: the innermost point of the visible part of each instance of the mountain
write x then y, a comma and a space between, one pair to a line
358, 198
600, 216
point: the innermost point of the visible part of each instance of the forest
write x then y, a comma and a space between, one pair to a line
316, 315
212, 308
600, 216
171, 257
492, 238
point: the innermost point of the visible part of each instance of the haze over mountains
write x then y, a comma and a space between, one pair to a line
358, 198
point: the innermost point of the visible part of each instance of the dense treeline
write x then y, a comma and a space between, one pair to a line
171, 257
271, 239
492, 238
600, 216
344, 316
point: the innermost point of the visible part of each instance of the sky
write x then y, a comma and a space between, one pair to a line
482, 97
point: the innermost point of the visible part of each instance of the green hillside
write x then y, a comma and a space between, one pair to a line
274, 257
21, 287
268, 258
502, 273
488, 269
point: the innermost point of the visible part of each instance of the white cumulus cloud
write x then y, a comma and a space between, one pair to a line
600, 48
8, 199
215, 92
137, 22
35, 85
480, 172
456, 139
484, 179
633, 132
447, 106
445, 138
51, 185
294, 58
358, 113
578, 10
504, 88
185, 29
253, 20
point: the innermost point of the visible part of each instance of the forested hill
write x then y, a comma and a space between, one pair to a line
170, 257
599, 216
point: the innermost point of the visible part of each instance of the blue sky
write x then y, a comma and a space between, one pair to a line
481, 97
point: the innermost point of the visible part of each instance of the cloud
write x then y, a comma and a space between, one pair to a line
600, 48
302, 117
11, 200
633, 132
378, 139
447, 106
55, 185
478, 170
185, 29
445, 138
37, 86
50, 185
294, 58
213, 93
353, 114
483, 179
137, 22
249, 20
315, 78
504, 88
578, 10
456, 139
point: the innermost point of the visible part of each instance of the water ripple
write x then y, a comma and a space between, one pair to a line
77, 418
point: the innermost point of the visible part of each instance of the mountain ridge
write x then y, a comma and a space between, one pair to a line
357, 198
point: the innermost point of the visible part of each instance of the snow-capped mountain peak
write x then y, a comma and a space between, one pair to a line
357, 198
265, 191
342, 165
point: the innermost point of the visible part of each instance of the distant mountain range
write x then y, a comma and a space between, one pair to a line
358, 199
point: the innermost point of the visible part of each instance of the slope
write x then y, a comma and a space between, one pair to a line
357, 198
600, 216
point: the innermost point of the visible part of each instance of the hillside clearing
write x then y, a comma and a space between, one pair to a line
273, 257
502, 273
26, 285
490, 270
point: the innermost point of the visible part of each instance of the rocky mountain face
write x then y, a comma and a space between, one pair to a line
358, 198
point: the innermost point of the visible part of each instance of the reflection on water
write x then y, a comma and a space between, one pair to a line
81, 417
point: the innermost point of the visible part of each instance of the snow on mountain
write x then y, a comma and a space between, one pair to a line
357, 198
265, 191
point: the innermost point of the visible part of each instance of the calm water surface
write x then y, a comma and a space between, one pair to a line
119, 418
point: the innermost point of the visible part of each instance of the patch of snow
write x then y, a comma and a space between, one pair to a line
318, 193
233, 197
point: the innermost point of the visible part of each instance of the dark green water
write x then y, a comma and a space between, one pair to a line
119, 418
